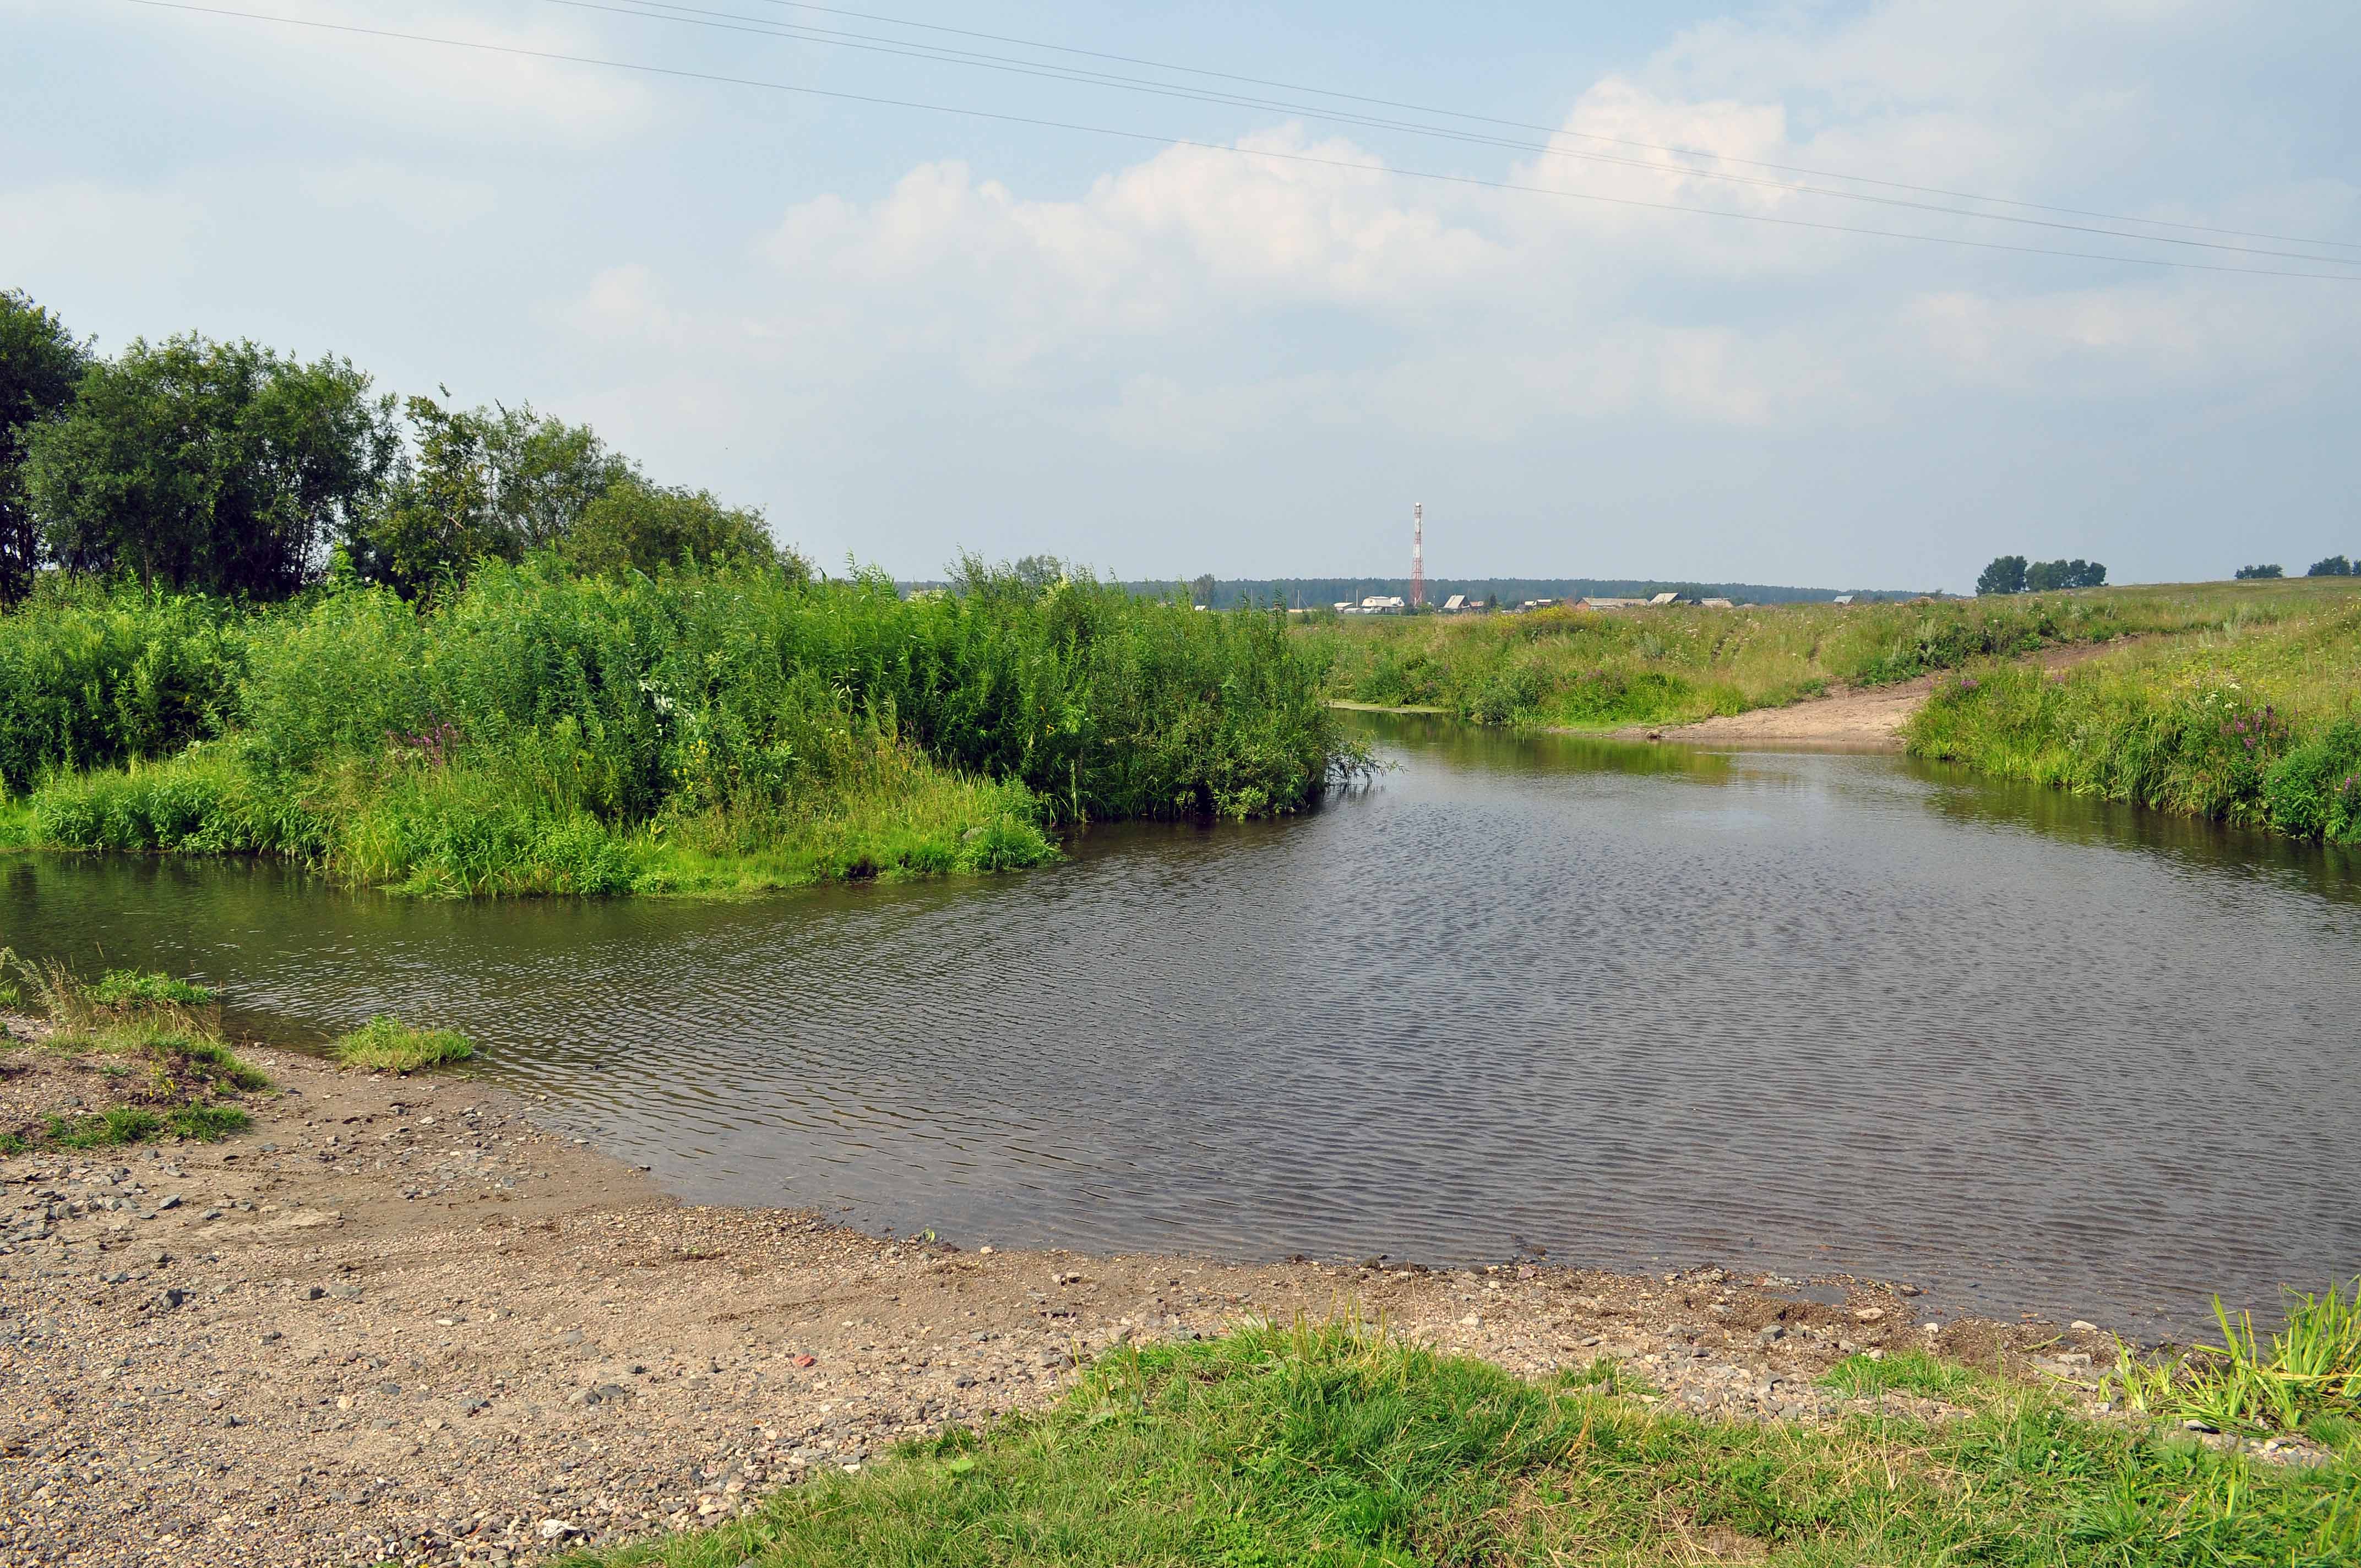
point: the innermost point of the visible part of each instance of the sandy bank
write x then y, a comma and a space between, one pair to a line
397, 1320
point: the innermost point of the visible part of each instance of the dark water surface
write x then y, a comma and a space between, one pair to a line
1632, 1005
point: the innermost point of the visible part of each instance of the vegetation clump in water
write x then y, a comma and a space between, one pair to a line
386, 1044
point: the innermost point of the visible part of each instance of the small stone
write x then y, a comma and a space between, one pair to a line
1868, 1314
173, 1201
557, 1530
1772, 1335
2080, 1327
315, 1292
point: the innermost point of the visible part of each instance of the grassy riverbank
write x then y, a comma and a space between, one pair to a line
2253, 717
1328, 1445
1679, 664
146, 1049
542, 732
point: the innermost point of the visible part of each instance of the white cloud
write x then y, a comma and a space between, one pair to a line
1198, 333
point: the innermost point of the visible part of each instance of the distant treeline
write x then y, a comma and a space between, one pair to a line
1321, 592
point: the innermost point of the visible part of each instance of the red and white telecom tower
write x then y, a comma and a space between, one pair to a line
1418, 554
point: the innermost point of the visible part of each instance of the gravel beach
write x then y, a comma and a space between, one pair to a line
395, 1320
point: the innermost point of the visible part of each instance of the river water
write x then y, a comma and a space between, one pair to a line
1634, 1006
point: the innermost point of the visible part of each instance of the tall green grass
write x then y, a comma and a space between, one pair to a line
2305, 1378
1330, 1445
2253, 718
539, 732
1601, 670
91, 677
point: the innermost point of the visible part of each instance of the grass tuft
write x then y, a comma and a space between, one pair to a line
2306, 1378
124, 989
133, 1124
1909, 1371
386, 1044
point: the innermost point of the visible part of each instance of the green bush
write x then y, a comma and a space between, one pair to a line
539, 732
91, 678
2315, 791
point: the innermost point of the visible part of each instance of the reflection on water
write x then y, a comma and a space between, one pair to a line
1634, 1005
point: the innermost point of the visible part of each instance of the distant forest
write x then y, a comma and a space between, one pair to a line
1322, 592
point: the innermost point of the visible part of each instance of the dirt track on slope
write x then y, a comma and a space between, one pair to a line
1867, 719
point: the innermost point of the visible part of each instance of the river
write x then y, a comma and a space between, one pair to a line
1624, 1006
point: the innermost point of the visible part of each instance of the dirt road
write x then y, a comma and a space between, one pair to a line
1867, 719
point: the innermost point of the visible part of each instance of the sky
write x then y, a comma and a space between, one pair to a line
1163, 335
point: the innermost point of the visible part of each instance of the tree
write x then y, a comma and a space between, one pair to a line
2044, 577
2004, 575
1201, 590
637, 526
2334, 566
2260, 573
218, 466
483, 482
40, 366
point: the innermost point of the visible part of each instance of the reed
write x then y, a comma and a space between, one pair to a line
2305, 1378
540, 733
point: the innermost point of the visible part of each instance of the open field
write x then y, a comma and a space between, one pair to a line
1683, 664
541, 732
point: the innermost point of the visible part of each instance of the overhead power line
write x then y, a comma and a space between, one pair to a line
1553, 130
1268, 154
728, 21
